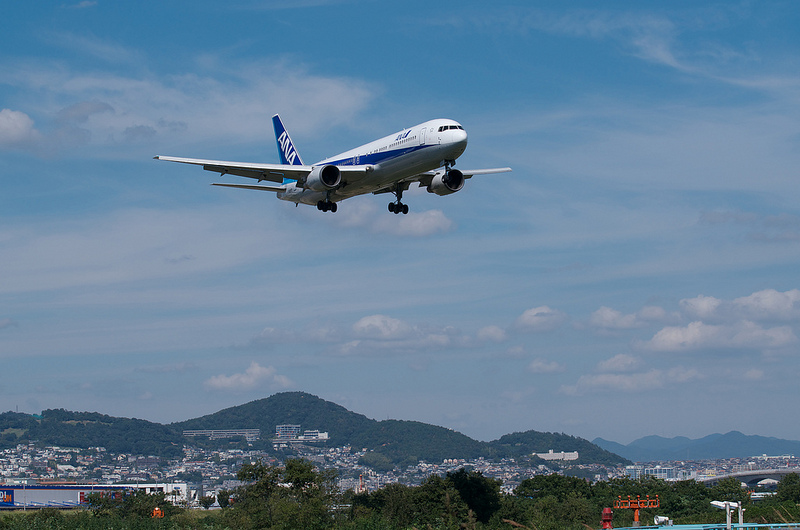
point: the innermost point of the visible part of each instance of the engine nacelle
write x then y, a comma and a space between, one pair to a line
324, 178
447, 183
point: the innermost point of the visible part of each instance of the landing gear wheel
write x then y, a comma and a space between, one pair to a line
398, 206
325, 206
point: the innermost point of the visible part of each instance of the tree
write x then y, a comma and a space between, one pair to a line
223, 498
729, 489
125, 504
294, 496
558, 486
393, 502
438, 504
206, 501
788, 488
481, 494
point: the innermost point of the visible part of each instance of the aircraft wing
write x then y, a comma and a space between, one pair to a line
251, 187
470, 173
271, 172
425, 179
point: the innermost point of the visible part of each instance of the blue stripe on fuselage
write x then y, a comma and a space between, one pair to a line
377, 158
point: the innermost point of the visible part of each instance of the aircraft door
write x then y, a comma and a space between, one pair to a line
422, 136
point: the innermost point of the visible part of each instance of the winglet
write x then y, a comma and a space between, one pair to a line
286, 150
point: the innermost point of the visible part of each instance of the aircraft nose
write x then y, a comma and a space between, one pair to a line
459, 137
460, 140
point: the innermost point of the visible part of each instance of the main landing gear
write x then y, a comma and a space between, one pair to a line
326, 206
398, 207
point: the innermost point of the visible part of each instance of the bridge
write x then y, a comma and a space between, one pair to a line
752, 477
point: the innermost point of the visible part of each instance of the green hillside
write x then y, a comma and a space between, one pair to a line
524, 443
63, 428
295, 408
389, 442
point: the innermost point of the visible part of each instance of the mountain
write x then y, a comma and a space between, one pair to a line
389, 442
524, 443
714, 446
63, 428
285, 408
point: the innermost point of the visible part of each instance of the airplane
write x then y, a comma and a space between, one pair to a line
425, 154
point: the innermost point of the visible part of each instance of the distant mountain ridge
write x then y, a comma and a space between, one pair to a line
714, 446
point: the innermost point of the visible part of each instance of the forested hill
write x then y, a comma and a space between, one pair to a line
63, 428
294, 408
390, 442
523, 443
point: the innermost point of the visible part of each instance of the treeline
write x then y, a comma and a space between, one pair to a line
90, 429
297, 495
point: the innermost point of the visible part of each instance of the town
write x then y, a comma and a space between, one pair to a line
203, 472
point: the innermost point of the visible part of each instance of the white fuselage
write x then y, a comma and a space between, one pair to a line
412, 151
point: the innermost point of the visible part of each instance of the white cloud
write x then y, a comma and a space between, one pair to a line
382, 327
492, 333
17, 130
254, 376
364, 214
770, 304
698, 335
605, 317
543, 366
620, 363
539, 319
414, 224
375, 333
703, 307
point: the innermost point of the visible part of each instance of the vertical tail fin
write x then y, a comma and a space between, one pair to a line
286, 150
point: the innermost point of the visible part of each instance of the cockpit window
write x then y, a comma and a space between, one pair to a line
448, 127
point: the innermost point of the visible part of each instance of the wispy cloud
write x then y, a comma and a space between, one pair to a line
632, 382
82, 5
109, 109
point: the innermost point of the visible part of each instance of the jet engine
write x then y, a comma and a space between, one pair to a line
446, 183
324, 178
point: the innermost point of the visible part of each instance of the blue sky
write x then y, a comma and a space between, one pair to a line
636, 274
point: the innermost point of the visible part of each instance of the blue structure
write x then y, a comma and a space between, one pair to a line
718, 526
31, 496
